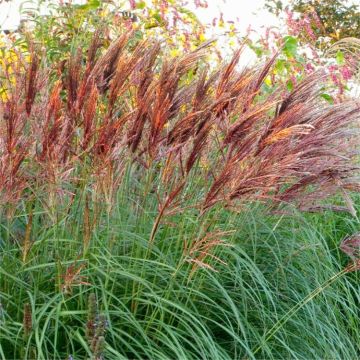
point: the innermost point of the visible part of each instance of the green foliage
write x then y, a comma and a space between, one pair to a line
328, 98
290, 46
152, 308
340, 57
70, 25
338, 19
90, 5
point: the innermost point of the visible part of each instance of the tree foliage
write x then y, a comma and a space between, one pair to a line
59, 28
329, 19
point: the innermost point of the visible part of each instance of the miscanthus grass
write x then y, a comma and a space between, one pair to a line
259, 295
148, 210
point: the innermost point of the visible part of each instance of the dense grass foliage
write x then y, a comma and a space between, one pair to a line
148, 209
151, 302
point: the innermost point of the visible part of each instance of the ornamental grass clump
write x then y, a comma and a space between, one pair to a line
78, 124
139, 208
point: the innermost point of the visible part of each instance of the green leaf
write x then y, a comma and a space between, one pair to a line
280, 65
340, 58
90, 5
289, 85
328, 98
189, 13
290, 46
141, 5
157, 17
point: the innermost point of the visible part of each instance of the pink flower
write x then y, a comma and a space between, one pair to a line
309, 67
132, 4
316, 19
346, 73
199, 3
333, 68
308, 29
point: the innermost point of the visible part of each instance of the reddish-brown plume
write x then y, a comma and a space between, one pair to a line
178, 118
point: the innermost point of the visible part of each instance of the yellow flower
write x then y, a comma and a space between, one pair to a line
182, 38
202, 37
174, 52
267, 81
3, 95
104, 13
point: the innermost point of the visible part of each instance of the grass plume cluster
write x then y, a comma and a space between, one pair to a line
133, 190
81, 123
